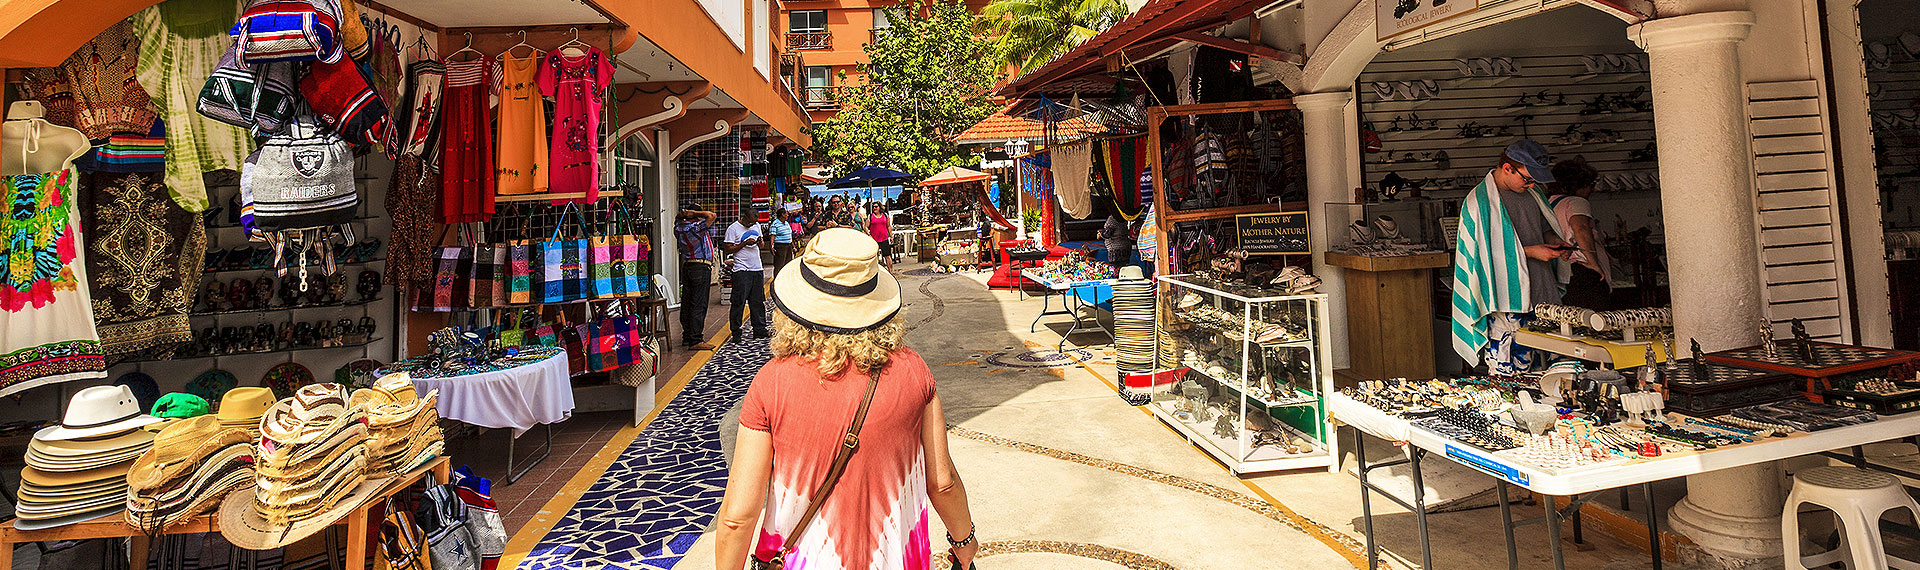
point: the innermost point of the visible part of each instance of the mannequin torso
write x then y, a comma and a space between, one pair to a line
35, 146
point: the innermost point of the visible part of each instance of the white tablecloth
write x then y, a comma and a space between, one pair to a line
517, 398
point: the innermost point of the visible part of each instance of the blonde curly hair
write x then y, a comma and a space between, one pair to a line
867, 351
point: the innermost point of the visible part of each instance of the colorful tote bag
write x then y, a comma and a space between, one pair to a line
603, 259
520, 279
489, 286
563, 264
452, 279
629, 267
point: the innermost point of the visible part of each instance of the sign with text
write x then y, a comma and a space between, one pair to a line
1395, 17
1278, 233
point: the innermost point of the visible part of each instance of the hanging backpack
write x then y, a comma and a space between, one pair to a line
260, 98
301, 179
450, 543
288, 30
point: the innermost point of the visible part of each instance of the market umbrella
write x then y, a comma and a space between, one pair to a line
958, 175
955, 175
871, 176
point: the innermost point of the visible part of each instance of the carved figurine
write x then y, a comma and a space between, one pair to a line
1699, 366
1771, 348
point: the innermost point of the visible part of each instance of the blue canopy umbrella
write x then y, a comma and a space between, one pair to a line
871, 176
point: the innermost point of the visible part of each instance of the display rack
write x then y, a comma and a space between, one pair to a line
1240, 389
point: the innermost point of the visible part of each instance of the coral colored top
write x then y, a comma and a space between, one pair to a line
877, 516
522, 164
575, 83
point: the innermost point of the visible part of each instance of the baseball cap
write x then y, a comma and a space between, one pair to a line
1533, 156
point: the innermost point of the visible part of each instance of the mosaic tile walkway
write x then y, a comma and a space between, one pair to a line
656, 499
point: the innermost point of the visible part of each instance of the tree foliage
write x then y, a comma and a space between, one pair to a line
928, 78
1029, 33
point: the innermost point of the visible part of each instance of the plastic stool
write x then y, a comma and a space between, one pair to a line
1858, 497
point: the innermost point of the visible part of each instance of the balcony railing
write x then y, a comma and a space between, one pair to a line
821, 97
809, 40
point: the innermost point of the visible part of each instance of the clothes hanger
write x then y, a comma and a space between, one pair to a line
535, 52
468, 48
570, 49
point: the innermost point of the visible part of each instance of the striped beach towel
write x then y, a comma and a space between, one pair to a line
1489, 268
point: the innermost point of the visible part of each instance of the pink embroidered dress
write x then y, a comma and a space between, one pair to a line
876, 518
575, 82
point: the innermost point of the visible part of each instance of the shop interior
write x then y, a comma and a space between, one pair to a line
1892, 48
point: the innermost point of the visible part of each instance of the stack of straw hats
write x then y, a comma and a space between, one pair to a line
193, 464
403, 430
310, 470
77, 471
241, 408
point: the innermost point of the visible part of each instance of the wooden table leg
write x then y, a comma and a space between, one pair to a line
443, 470
136, 552
6, 554
357, 539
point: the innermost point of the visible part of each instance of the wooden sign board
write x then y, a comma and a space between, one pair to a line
1394, 17
1273, 233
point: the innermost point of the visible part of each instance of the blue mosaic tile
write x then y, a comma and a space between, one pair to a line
664, 489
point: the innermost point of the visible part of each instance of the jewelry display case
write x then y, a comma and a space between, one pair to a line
1386, 229
1249, 370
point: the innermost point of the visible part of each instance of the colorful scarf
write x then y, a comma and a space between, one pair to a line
1124, 159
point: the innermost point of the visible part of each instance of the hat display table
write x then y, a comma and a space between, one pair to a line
115, 526
518, 398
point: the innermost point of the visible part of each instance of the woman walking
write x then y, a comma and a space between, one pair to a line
882, 231
841, 373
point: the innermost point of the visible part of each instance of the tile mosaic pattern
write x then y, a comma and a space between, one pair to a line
656, 499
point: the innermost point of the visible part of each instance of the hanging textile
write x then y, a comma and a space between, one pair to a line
95, 90
1035, 179
1124, 159
577, 84
180, 45
521, 167
466, 135
46, 328
144, 258
1072, 163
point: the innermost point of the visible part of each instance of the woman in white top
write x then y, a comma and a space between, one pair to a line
1590, 284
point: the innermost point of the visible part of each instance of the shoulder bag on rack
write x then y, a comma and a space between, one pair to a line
401, 546
574, 339
289, 30
302, 178
258, 97
452, 276
563, 261
339, 94
849, 444
629, 266
485, 282
520, 278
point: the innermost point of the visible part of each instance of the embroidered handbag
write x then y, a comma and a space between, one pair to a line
339, 94
259, 97
450, 541
518, 273
483, 517
628, 265
402, 546
600, 270
288, 30
563, 263
485, 283
301, 179
452, 269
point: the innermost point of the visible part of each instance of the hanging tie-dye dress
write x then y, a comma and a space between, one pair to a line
877, 516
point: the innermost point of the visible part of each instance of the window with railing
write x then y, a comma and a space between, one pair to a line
820, 93
807, 29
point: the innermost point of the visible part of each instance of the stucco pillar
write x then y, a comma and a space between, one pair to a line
1323, 124
1713, 257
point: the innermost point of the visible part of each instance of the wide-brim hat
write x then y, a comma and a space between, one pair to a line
272, 455
110, 444
68, 464
310, 414
179, 448
837, 285
42, 524
243, 525
244, 405
214, 466
98, 410
202, 494
31, 475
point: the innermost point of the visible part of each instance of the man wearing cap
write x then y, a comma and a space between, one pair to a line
694, 232
749, 285
1505, 258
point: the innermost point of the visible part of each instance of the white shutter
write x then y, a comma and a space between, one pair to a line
1800, 237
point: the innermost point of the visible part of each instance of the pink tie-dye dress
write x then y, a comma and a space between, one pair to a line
877, 516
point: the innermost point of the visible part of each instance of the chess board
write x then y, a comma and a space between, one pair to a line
1724, 388
1830, 359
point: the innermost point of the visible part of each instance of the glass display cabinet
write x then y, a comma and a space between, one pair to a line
1246, 373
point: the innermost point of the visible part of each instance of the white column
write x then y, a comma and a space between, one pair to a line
1713, 255
1323, 123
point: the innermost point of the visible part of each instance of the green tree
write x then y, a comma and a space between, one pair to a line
1030, 33
928, 78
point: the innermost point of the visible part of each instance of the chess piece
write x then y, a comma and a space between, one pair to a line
1652, 371
1666, 343
1806, 342
1771, 348
1699, 366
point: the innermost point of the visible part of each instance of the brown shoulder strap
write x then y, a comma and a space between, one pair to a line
847, 445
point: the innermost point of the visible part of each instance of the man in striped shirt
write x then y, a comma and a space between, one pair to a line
1504, 259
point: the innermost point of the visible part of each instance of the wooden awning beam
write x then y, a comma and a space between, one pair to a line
1237, 46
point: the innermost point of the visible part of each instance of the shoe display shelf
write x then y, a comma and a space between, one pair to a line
1245, 374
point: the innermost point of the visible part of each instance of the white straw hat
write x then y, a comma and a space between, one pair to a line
98, 410
837, 285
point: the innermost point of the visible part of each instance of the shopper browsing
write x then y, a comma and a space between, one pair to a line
1589, 285
1505, 259
749, 289
783, 237
1119, 240
841, 372
694, 234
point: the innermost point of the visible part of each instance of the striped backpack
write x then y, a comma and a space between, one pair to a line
289, 30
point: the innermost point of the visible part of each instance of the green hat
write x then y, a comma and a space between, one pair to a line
180, 405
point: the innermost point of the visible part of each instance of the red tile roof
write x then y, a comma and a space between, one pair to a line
1001, 126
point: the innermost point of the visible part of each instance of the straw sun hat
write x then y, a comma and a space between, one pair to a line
837, 285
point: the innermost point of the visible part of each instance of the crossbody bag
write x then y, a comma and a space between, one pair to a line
847, 446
